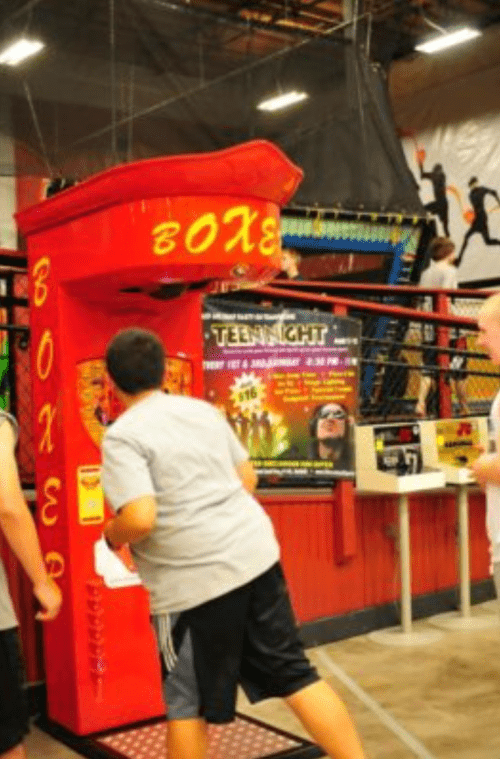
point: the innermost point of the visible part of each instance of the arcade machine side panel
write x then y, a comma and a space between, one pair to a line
119, 671
52, 513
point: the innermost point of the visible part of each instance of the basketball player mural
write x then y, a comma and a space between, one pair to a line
438, 206
479, 223
459, 203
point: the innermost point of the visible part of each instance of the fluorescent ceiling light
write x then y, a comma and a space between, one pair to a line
447, 39
282, 101
20, 50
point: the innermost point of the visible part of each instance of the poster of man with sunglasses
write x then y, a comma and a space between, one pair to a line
330, 429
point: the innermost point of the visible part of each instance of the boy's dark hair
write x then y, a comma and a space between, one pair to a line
440, 248
135, 360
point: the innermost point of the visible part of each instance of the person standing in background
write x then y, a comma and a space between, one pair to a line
486, 468
441, 274
18, 528
180, 484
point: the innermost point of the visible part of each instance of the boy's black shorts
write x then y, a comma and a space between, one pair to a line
247, 636
14, 710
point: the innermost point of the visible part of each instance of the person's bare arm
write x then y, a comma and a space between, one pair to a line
247, 475
133, 523
19, 529
486, 468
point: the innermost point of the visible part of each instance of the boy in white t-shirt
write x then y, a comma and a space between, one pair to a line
18, 528
487, 467
180, 483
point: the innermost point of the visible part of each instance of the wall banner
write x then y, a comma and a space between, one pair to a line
457, 169
287, 382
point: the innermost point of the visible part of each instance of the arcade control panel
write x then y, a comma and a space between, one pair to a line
398, 449
391, 458
454, 444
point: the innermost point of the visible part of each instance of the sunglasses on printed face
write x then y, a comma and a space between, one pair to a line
332, 413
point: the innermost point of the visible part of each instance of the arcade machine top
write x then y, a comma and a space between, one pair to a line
154, 206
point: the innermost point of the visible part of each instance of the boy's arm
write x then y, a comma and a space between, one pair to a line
127, 485
247, 475
134, 522
19, 529
486, 468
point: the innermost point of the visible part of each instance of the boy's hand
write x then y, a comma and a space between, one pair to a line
478, 471
48, 594
122, 551
126, 558
480, 468
109, 542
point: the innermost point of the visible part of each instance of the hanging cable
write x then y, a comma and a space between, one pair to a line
37, 127
355, 21
130, 135
368, 35
28, 7
112, 52
201, 59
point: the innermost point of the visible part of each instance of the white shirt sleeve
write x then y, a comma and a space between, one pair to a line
451, 283
125, 472
450, 279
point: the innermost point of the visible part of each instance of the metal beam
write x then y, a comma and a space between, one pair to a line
222, 18
20, 11
18, 262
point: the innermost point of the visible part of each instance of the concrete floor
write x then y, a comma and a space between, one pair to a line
433, 701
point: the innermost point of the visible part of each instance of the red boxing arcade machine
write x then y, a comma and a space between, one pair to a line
133, 246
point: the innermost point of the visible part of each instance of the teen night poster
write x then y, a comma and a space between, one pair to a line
287, 383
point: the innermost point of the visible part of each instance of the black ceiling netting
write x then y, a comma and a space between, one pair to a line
122, 80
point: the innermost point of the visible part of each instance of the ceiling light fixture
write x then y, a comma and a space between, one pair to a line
446, 38
19, 50
277, 102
